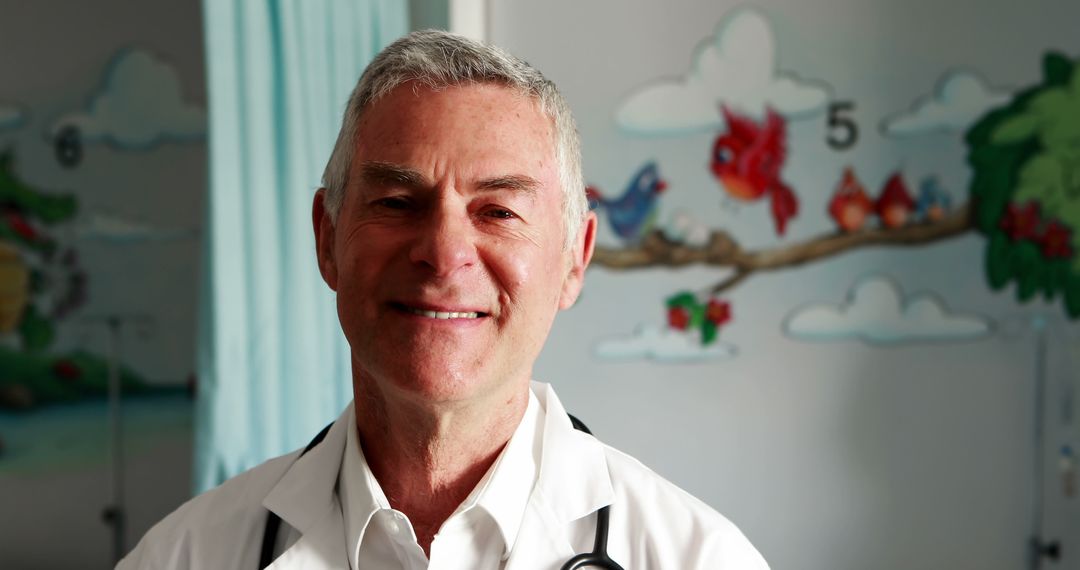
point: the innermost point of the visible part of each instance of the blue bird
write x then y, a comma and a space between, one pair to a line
934, 202
633, 214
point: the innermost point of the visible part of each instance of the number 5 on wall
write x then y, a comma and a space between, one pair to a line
843, 132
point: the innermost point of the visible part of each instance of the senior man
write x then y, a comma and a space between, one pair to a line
453, 226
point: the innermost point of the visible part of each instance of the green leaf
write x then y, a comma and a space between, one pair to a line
1016, 130
1057, 69
697, 314
681, 299
1056, 273
1028, 267
999, 266
996, 170
36, 331
1072, 296
32, 202
708, 333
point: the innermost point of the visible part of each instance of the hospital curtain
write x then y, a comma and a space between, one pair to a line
273, 366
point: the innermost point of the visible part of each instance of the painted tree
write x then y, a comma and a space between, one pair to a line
35, 271
40, 285
1024, 197
1026, 187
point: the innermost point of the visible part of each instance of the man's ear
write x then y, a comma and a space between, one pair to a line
324, 239
581, 253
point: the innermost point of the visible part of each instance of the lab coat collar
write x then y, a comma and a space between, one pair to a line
305, 495
574, 480
573, 483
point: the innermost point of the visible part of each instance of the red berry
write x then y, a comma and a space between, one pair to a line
66, 370
718, 312
678, 318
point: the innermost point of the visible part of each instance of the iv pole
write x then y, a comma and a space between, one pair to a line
114, 513
1037, 548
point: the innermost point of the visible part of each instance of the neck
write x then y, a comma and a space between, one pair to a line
428, 457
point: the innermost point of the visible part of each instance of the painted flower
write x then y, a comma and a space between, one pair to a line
718, 312
1021, 222
1056, 241
678, 318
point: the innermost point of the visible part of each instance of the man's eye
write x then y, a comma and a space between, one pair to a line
393, 203
500, 213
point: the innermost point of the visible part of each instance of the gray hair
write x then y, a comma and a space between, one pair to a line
438, 59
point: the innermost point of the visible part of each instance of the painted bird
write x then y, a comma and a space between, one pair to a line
934, 202
633, 214
850, 206
747, 160
895, 204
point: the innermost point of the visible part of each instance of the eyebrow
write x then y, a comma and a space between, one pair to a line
386, 174
515, 182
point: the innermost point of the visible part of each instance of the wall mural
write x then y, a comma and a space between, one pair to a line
1023, 197
876, 311
45, 286
138, 106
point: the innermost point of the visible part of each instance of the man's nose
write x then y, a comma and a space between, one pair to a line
445, 241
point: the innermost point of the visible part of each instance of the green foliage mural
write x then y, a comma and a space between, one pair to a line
1026, 187
41, 283
32, 271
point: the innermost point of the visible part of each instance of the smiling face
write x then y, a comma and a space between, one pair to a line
448, 252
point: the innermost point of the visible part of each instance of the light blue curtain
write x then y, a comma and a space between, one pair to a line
273, 364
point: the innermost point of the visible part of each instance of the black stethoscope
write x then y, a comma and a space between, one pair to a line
598, 558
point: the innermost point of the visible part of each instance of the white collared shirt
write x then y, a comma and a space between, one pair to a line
327, 514
479, 534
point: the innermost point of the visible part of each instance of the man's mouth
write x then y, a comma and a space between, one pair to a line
431, 314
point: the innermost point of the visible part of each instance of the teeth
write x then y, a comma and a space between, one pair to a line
441, 314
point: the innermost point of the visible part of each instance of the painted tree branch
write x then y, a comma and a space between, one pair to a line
655, 250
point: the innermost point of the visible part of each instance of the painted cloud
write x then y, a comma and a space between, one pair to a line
959, 99
662, 344
11, 117
877, 312
103, 227
736, 67
138, 106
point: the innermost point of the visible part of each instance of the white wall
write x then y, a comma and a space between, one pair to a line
830, 456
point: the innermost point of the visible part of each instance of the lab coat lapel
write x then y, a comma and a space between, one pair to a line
574, 482
306, 500
322, 546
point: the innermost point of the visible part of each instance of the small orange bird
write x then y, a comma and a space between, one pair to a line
895, 205
747, 160
850, 206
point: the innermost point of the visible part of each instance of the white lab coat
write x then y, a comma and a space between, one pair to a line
654, 524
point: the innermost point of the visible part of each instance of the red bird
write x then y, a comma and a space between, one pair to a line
895, 205
747, 159
850, 206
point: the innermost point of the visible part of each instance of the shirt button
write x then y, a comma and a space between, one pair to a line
396, 523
